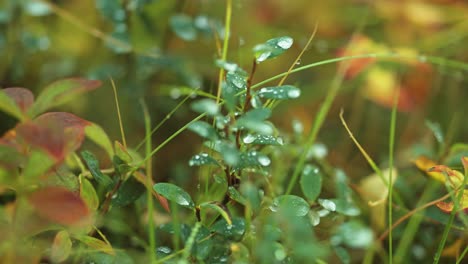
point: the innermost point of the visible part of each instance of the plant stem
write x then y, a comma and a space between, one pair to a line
227, 33
149, 173
391, 146
118, 114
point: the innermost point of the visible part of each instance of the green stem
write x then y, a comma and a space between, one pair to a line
391, 147
169, 139
149, 173
227, 33
434, 60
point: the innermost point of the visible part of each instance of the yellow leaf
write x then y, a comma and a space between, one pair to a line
375, 192
424, 164
61, 247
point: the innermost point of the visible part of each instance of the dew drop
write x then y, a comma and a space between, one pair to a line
175, 93
327, 204
285, 43
264, 160
248, 139
263, 56
294, 93
280, 141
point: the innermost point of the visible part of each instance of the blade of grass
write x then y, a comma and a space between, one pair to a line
169, 139
272, 103
432, 59
149, 173
413, 224
462, 255
410, 213
391, 147
166, 118
122, 133
227, 33
369, 160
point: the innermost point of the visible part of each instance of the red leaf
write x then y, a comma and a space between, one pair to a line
60, 205
58, 133
359, 45
22, 96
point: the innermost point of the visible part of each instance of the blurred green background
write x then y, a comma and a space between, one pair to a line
154, 49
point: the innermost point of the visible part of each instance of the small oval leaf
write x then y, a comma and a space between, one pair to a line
96, 244
272, 48
9, 106
311, 182
202, 159
218, 207
93, 165
235, 195
290, 203
61, 247
183, 27
60, 205
175, 194
208, 106
98, 136
204, 130
279, 92
262, 140
61, 92
88, 194
252, 159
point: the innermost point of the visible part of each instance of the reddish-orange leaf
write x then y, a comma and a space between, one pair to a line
58, 133
22, 96
358, 45
60, 205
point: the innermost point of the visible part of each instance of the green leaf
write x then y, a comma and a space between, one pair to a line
204, 130
61, 247
232, 231
88, 194
311, 182
353, 234
129, 191
93, 166
272, 48
252, 195
436, 130
218, 207
208, 106
61, 92
253, 159
254, 121
122, 152
38, 164
16, 101
96, 244
291, 204
202, 159
183, 27
203, 246
343, 255
262, 140
238, 81
95, 133
175, 194
279, 92
231, 67
235, 195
